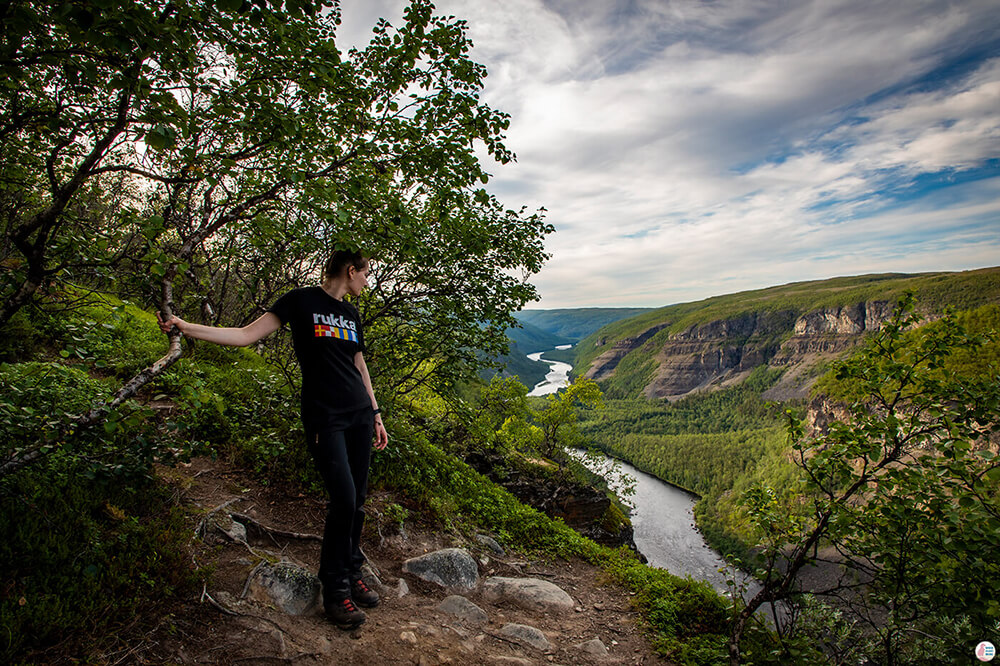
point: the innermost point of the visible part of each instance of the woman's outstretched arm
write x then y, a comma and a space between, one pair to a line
261, 327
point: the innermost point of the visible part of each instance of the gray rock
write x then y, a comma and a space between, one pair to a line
491, 544
290, 588
452, 568
530, 593
402, 589
594, 647
526, 635
463, 609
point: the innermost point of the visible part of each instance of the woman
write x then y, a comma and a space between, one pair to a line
339, 413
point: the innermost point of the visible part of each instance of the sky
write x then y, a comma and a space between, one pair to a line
691, 148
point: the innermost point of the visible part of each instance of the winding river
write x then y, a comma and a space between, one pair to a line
662, 517
557, 377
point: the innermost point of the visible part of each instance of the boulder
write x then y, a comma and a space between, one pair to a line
289, 588
452, 568
530, 593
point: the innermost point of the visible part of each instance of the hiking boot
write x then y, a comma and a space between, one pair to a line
345, 614
362, 594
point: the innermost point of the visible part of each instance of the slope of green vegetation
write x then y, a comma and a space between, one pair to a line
517, 364
982, 321
544, 330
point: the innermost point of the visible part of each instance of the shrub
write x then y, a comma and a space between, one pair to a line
95, 553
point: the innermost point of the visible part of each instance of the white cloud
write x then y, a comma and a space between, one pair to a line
686, 148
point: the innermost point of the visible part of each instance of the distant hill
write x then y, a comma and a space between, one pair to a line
531, 339
682, 349
574, 324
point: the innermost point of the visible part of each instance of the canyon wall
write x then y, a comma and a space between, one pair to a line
718, 353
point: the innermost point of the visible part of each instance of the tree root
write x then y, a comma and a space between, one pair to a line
247, 520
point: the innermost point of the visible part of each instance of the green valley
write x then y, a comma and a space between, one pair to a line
715, 396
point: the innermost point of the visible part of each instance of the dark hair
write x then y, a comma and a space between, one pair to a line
341, 259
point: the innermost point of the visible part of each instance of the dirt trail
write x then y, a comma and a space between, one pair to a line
219, 627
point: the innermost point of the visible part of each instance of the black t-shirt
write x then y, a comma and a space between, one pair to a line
326, 334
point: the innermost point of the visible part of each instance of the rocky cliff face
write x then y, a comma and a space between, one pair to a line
708, 354
606, 363
849, 320
711, 355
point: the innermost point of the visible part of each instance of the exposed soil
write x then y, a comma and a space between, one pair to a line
221, 628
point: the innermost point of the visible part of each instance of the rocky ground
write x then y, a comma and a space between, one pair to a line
233, 622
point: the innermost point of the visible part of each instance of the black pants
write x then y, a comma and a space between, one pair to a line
342, 451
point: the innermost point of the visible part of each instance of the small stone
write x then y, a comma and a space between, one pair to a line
408, 637
579, 609
428, 630
223, 523
593, 647
402, 589
526, 635
491, 544
513, 661
463, 609
225, 598
371, 578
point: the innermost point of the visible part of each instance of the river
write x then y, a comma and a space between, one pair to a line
557, 377
664, 528
663, 515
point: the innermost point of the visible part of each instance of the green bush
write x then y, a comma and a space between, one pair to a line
82, 557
